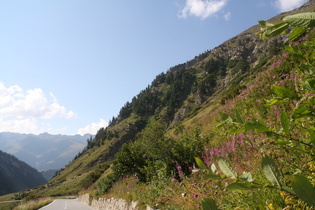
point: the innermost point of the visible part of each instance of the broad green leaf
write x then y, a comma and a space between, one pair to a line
289, 48
256, 126
213, 168
277, 101
236, 130
223, 116
220, 125
298, 56
226, 168
310, 84
246, 176
273, 101
200, 163
229, 120
212, 177
271, 171
283, 92
262, 22
296, 33
242, 186
306, 19
265, 23
238, 116
303, 111
285, 122
208, 204
310, 102
275, 30
304, 189
288, 189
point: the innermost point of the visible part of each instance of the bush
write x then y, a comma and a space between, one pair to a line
106, 183
153, 154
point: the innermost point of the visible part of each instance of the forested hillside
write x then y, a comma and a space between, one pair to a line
232, 128
16, 175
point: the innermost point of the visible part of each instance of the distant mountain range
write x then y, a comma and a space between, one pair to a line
43, 151
15, 175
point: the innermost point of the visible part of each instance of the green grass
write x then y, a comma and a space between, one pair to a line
8, 205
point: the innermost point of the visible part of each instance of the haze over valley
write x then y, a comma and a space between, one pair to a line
44, 151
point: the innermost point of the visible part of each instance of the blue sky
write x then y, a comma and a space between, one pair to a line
69, 66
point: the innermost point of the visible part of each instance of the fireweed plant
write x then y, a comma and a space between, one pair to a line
257, 152
282, 133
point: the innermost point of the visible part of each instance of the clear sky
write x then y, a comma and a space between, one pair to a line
68, 66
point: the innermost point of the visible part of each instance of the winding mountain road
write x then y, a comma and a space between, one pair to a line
66, 204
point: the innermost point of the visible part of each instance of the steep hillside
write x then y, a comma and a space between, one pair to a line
176, 96
16, 175
241, 99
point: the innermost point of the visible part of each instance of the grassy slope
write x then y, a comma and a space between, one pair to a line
87, 161
188, 193
250, 102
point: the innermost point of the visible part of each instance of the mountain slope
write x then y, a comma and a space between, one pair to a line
16, 175
199, 94
43, 151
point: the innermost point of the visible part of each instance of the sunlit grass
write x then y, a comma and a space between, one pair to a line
34, 204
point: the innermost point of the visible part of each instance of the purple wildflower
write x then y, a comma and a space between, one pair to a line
228, 144
211, 153
206, 161
180, 172
242, 142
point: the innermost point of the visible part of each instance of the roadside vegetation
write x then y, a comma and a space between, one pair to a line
34, 204
258, 154
23, 201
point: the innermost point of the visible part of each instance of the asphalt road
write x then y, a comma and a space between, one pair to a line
66, 204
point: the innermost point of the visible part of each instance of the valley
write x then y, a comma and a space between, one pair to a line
44, 151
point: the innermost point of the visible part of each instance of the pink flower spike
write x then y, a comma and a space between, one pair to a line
242, 142
211, 153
